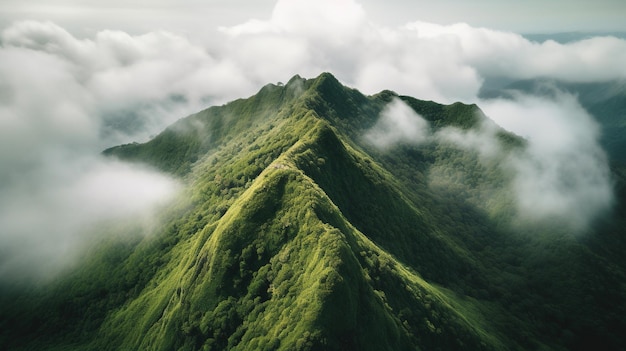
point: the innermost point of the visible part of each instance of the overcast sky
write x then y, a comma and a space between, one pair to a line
528, 16
80, 76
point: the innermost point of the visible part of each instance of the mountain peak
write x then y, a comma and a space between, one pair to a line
297, 79
327, 76
294, 233
326, 82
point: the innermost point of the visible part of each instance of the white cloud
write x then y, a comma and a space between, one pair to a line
64, 98
563, 174
502, 54
398, 123
329, 21
120, 72
446, 63
46, 224
42, 107
53, 184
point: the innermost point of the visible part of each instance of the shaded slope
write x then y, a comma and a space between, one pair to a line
352, 180
283, 269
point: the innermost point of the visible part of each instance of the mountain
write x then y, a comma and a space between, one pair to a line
570, 37
295, 232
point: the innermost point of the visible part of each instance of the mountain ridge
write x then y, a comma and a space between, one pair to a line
294, 232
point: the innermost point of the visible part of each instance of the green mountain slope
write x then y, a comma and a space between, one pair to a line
294, 233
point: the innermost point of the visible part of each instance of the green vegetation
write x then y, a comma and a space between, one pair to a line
293, 233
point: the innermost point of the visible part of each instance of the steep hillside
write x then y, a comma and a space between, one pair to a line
294, 232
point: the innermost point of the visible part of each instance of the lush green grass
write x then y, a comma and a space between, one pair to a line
293, 233
284, 254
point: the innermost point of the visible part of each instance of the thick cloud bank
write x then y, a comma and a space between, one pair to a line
64, 98
128, 85
45, 224
444, 63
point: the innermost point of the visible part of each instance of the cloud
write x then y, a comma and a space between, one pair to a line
398, 123
563, 175
46, 224
342, 40
560, 177
445, 63
54, 114
328, 21
42, 109
481, 138
119, 73
63, 98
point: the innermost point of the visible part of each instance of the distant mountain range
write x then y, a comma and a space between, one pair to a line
295, 231
568, 37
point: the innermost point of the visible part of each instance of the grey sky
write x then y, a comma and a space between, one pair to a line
528, 16
85, 17
193, 16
